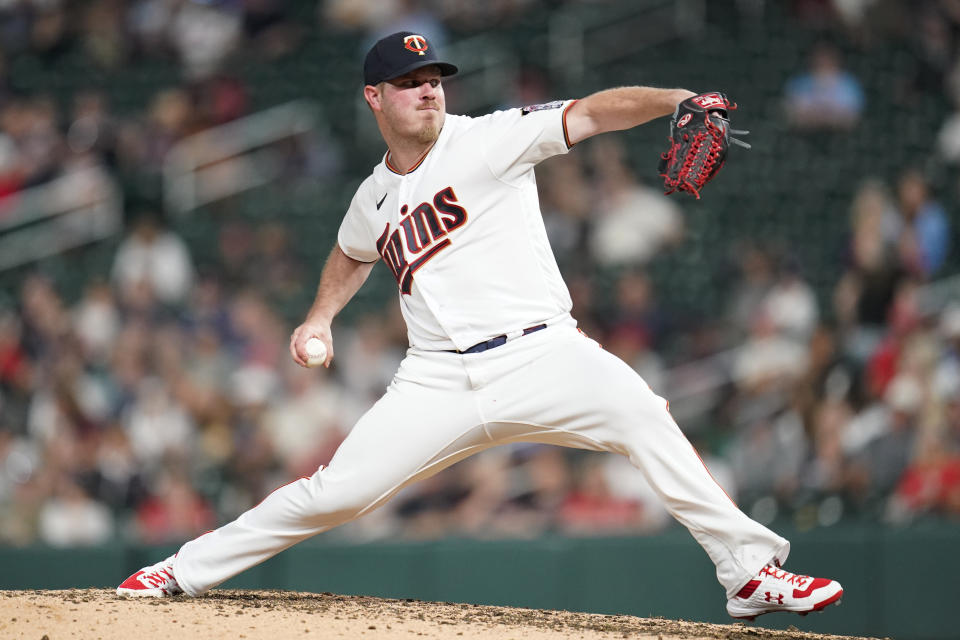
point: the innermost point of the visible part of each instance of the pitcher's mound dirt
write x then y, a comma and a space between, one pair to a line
98, 614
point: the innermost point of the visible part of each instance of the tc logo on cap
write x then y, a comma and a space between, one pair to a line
415, 43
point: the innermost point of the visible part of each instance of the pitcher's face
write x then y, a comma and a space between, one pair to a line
413, 105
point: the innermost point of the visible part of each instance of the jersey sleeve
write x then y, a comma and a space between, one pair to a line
515, 140
355, 237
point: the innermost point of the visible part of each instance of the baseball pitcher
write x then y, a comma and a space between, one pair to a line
494, 357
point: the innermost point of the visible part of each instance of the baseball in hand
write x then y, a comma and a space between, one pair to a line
316, 352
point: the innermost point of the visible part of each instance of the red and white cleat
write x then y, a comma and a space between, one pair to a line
156, 581
777, 590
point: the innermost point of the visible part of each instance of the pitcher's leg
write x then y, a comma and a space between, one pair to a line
395, 443
588, 398
737, 545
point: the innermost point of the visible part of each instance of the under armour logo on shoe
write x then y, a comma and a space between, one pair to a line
779, 598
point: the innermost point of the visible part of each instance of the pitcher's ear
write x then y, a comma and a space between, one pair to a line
373, 96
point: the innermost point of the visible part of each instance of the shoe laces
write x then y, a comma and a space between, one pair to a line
777, 573
158, 577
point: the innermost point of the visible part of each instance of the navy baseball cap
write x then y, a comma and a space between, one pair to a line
399, 54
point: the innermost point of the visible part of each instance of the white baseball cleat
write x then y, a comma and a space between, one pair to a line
156, 581
777, 590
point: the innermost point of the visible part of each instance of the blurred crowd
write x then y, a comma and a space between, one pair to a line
162, 400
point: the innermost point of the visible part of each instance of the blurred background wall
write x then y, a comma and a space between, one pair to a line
173, 173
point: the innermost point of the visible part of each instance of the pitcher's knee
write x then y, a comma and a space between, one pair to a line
636, 409
334, 501
640, 415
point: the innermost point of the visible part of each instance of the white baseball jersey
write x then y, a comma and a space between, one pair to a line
462, 231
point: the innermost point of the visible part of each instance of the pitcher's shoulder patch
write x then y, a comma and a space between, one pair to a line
556, 104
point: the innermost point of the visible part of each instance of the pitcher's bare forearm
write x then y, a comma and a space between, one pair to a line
620, 108
342, 277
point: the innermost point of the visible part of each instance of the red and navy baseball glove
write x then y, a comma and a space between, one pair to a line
700, 136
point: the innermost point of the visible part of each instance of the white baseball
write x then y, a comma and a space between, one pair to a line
316, 352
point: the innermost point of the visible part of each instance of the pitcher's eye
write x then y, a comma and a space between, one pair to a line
413, 84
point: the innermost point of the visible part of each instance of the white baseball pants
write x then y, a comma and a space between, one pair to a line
555, 386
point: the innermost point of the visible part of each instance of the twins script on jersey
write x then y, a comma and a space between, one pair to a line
469, 260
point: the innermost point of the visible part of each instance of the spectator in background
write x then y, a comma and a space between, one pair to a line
12, 355
11, 171
175, 511
855, 16
370, 355
410, 15
760, 459
486, 487
948, 138
528, 85
865, 292
567, 209
44, 319
156, 257
172, 115
202, 381
157, 426
356, 15
68, 398
625, 482
887, 359
768, 361
102, 32
931, 483
824, 471
274, 266
874, 218
947, 375
92, 127
31, 124
825, 97
267, 27
118, 480
751, 287
631, 344
71, 518
306, 422
791, 304
204, 33
586, 307
875, 466
633, 222
19, 460
591, 508
540, 483
222, 99
258, 330
637, 311
925, 240
933, 39
17, 377
96, 322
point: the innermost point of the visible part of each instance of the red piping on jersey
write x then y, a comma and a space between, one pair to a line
566, 136
386, 161
697, 453
708, 470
